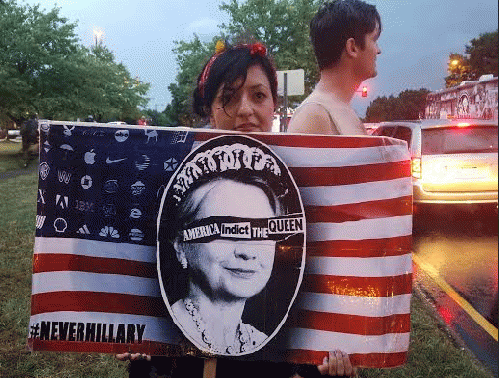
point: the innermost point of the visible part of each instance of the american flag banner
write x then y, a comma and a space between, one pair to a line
96, 286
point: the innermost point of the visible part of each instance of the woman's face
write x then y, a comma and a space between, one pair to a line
226, 269
249, 108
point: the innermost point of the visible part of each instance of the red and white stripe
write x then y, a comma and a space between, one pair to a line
356, 291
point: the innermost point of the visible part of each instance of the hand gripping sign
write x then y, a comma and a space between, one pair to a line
193, 243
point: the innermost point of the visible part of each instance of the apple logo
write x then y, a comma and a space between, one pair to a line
90, 157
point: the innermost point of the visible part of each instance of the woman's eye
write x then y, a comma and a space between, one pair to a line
260, 96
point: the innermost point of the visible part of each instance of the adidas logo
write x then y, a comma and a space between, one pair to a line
83, 230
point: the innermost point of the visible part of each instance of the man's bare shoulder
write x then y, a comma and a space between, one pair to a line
310, 119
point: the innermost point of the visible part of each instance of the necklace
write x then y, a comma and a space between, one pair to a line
243, 335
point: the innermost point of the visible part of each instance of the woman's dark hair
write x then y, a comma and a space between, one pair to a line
224, 69
336, 22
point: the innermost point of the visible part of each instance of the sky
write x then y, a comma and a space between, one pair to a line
417, 37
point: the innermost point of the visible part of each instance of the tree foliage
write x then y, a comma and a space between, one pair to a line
408, 105
283, 25
480, 58
44, 69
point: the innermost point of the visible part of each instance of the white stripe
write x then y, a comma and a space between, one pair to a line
386, 266
361, 306
157, 329
310, 339
355, 193
94, 248
378, 228
340, 157
97, 282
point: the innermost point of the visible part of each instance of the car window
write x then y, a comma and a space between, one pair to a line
455, 140
403, 133
387, 131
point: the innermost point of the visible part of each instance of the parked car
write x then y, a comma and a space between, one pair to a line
453, 161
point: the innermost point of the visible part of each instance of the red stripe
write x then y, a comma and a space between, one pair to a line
395, 246
48, 262
88, 301
371, 360
357, 286
358, 211
353, 324
349, 175
309, 141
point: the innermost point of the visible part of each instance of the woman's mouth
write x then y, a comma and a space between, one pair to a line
245, 127
242, 273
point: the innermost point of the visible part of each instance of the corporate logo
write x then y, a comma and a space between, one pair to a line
44, 171
121, 135
170, 165
113, 161
64, 176
89, 157
44, 126
179, 137
136, 235
83, 230
135, 213
67, 149
40, 220
138, 188
68, 130
61, 201
109, 210
142, 162
60, 225
47, 147
84, 206
41, 196
91, 132
111, 186
86, 182
151, 134
109, 232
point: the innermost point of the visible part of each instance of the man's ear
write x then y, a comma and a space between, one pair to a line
351, 48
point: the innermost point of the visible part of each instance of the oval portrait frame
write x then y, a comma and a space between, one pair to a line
234, 154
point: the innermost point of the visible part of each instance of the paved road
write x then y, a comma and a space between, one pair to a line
456, 262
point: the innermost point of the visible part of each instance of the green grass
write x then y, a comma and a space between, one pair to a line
10, 156
432, 353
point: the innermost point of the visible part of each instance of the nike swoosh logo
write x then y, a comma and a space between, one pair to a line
109, 161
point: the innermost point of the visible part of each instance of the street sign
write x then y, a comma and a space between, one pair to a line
295, 82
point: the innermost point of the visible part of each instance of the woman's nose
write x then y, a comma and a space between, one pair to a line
245, 106
245, 251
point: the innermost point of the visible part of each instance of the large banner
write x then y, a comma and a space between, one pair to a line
196, 242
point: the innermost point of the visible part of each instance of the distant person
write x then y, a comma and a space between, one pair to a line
29, 135
344, 35
143, 121
90, 118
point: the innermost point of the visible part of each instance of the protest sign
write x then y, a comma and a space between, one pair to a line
137, 227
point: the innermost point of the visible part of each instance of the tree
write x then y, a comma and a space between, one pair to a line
408, 105
480, 59
43, 69
283, 25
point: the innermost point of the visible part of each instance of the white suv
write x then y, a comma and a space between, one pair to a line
453, 161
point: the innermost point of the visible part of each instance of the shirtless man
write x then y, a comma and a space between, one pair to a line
344, 34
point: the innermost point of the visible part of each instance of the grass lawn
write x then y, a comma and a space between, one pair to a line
10, 156
432, 353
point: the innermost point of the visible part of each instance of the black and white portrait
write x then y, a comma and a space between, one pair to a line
231, 237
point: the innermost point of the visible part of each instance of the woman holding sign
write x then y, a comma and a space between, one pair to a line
237, 90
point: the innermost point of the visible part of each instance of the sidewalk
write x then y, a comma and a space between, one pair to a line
33, 166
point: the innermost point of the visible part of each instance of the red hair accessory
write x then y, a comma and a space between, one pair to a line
258, 48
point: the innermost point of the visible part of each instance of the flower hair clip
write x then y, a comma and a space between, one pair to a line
258, 48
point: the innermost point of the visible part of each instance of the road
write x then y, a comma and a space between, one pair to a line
456, 262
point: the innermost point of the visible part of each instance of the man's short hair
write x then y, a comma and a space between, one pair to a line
335, 22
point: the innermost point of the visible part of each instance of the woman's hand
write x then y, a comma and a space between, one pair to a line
133, 356
337, 364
